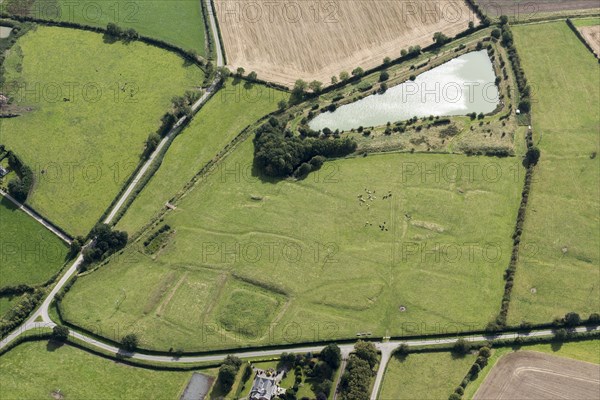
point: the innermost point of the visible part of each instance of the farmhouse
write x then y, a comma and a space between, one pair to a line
265, 385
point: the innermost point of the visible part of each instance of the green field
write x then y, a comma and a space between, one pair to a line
179, 22
586, 21
37, 370
215, 125
301, 250
30, 253
93, 105
588, 351
431, 376
559, 265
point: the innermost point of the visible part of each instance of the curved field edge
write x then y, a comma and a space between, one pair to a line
89, 106
303, 239
559, 268
31, 254
39, 369
236, 105
588, 351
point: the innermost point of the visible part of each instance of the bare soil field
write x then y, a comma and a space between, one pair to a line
284, 40
591, 34
530, 9
532, 375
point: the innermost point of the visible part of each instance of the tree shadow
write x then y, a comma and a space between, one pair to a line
53, 345
457, 356
109, 39
4, 202
257, 173
556, 346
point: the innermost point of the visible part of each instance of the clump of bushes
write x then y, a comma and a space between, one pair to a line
118, 33
106, 243
17, 314
19, 187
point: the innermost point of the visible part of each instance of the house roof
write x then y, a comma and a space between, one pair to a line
263, 388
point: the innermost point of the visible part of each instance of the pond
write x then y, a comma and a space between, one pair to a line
461, 86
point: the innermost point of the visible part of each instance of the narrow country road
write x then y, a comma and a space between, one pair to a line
42, 312
215, 33
173, 132
40, 319
177, 127
37, 217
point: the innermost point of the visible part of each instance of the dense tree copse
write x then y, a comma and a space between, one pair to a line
332, 355
279, 153
227, 373
356, 381
106, 242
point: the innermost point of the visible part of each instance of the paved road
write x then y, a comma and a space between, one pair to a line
37, 217
177, 127
173, 132
42, 311
385, 347
215, 33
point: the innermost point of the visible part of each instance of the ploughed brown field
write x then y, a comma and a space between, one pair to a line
286, 40
531, 375
591, 34
528, 9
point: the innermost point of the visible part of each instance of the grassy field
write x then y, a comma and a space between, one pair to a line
304, 250
30, 253
558, 270
424, 376
588, 351
92, 106
36, 370
215, 125
179, 22
586, 21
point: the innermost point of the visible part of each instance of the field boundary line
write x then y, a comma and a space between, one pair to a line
581, 38
164, 45
61, 233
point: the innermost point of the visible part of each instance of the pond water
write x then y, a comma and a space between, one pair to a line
5, 31
461, 86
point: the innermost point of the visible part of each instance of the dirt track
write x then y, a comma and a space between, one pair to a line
591, 34
285, 40
532, 375
527, 9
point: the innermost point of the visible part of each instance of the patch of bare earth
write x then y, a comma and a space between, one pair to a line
286, 40
591, 34
531, 375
